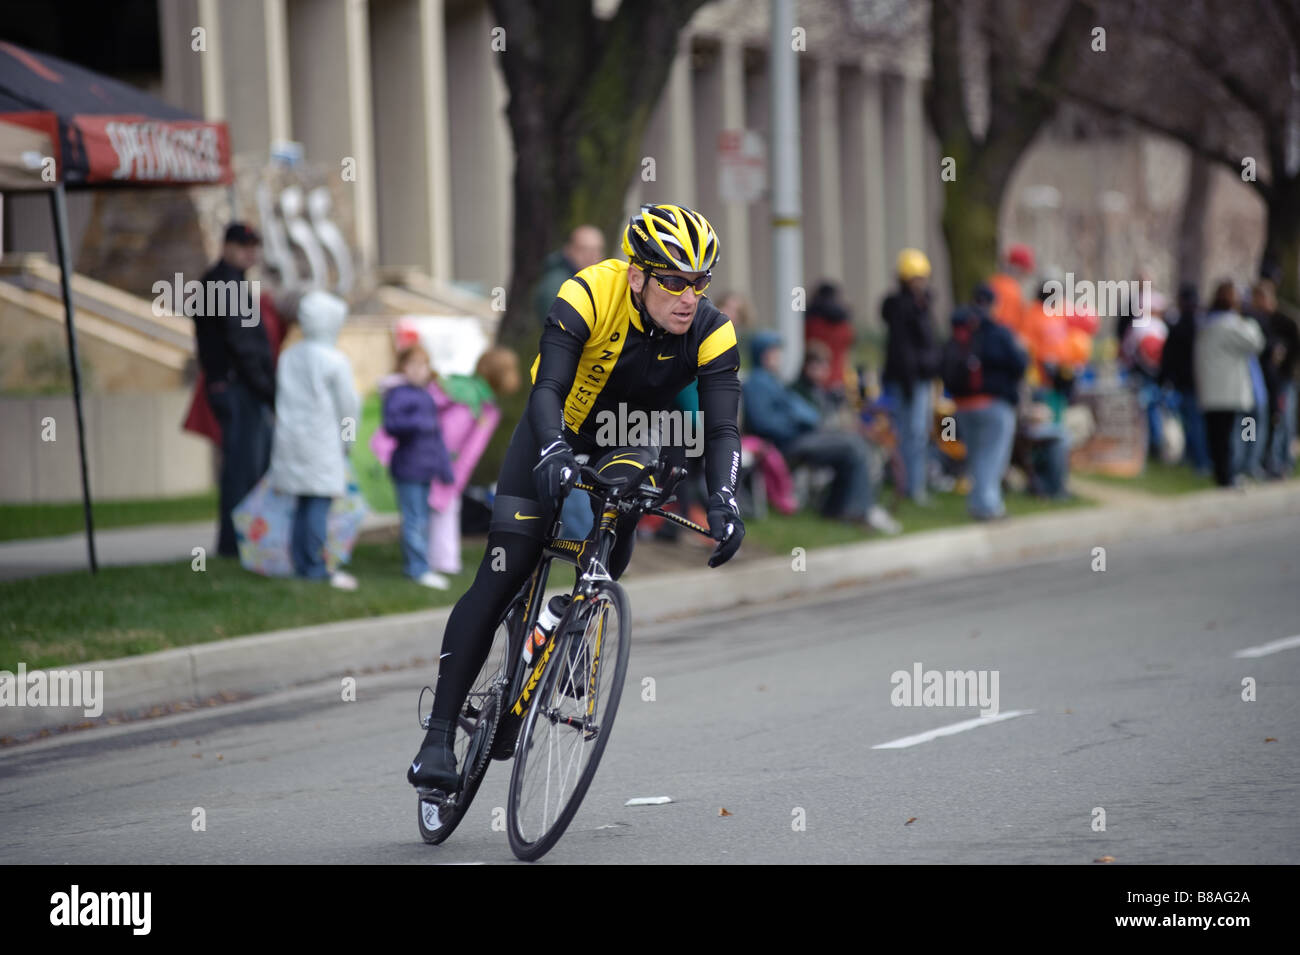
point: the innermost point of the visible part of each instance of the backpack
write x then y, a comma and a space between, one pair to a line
960, 366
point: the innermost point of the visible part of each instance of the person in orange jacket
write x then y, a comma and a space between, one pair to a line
1007, 285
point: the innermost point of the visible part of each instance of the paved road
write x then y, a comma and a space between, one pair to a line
1130, 675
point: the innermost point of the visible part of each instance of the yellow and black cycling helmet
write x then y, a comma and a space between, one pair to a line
671, 237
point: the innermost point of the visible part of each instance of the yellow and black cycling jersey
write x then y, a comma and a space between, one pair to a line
599, 352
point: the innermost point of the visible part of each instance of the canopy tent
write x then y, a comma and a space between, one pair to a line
64, 126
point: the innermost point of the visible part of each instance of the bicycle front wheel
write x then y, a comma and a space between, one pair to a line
569, 721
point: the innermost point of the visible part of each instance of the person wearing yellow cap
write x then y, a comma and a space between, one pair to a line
911, 363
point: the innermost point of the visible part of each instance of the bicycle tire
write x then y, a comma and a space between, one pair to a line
546, 716
488, 688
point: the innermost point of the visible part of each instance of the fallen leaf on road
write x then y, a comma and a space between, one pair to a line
219, 756
1270, 739
197, 755
1105, 859
910, 821
723, 812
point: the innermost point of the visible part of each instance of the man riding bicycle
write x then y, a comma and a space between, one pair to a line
620, 337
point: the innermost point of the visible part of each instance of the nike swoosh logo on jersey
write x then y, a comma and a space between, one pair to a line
526, 517
664, 357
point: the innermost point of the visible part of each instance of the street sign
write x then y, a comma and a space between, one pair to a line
742, 165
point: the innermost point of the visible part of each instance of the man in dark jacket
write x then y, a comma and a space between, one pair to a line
1278, 363
236, 359
911, 361
1177, 372
982, 368
585, 246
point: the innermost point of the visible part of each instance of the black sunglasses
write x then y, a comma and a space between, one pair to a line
677, 284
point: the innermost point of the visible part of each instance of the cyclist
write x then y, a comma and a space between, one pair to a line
619, 333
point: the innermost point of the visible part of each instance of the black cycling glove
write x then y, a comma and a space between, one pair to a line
725, 526
555, 472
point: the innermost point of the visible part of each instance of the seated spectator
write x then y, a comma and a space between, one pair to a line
829, 322
982, 367
782, 416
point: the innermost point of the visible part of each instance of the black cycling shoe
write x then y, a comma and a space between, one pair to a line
434, 766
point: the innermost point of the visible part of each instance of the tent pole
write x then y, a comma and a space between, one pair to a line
65, 273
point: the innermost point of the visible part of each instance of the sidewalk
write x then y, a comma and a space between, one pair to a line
149, 544
250, 665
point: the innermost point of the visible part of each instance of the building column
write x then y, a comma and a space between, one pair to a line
277, 69
668, 140
758, 96
482, 154
914, 156
183, 68
734, 225
331, 101
433, 40
876, 252
823, 196
408, 83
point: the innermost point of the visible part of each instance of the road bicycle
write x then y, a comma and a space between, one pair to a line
554, 715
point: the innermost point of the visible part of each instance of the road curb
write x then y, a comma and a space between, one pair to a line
252, 665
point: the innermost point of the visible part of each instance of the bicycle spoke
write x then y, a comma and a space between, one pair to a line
556, 760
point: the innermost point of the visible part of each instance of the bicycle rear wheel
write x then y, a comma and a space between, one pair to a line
438, 816
569, 722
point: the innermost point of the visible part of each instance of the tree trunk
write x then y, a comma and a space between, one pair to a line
581, 94
1283, 234
1191, 230
970, 227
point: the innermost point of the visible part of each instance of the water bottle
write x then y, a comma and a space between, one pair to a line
546, 622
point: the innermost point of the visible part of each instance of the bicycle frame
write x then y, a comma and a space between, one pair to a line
641, 497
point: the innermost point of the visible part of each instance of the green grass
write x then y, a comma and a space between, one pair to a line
72, 618
1164, 479
20, 521
1159, 478
779, 533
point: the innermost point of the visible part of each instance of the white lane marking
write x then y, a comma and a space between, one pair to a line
1286, 643
950, 729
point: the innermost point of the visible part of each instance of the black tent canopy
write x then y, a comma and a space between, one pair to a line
63, 126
